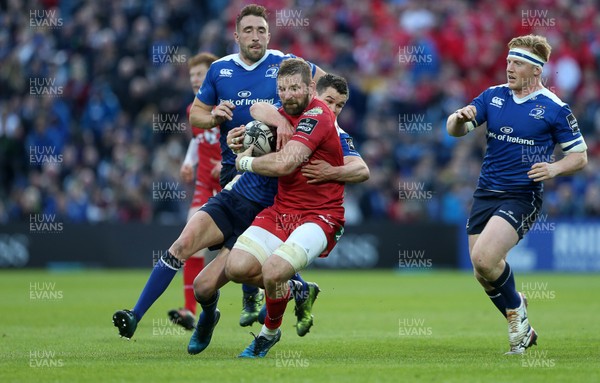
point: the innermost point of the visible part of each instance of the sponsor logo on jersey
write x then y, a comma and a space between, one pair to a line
314, 111
536, 113
244, 93
307, 125
272, 72
506, 129
497, 102
350, 143
225, 72
573, 124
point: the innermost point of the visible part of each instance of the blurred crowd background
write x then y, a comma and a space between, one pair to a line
81, 86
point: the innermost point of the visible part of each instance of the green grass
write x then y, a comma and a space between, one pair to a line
362, 333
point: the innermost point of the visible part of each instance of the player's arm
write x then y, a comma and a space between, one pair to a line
318, 74
268, 113
206, 116
568, 165
354, 170
462, 121
191, 159
277, 164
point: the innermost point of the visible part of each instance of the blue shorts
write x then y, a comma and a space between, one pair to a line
520, 210
232, 214
228, 172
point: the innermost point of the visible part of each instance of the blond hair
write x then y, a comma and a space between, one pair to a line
538, 45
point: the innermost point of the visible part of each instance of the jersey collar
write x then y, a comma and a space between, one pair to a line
528, 97
247, 67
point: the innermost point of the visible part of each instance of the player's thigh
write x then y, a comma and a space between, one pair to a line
200, 232
303, 246
252, 249
494, 242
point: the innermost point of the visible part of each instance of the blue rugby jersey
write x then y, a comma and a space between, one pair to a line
230, 79
521, 132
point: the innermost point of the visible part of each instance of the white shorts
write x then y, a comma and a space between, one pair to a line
301, 248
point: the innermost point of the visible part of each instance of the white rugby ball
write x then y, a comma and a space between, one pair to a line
262, 136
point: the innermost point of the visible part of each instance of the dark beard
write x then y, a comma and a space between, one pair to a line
297, 109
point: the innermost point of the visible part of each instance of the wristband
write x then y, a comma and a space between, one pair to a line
470, 126
246, 164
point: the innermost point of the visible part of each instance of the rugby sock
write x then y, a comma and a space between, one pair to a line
161, 276
267, 332
299, 291
498, 300
506, 286
249, 290
191, 268
209, 308
275, 310
298, 277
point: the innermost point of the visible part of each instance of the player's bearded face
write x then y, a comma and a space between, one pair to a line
253, 37
295, 95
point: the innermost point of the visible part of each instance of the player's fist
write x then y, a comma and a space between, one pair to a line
187, 173
235, 138
222, 112
465, 114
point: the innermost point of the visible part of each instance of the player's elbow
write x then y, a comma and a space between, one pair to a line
363, 174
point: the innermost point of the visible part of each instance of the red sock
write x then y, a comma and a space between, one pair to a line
275, 310
191, 268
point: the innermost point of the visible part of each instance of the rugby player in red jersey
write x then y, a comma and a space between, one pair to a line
306, 219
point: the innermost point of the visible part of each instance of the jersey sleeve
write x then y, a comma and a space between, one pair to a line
347, 143
480, 104
311, 130
565, 132
207, 92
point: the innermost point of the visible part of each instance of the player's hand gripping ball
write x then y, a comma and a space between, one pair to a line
262, 136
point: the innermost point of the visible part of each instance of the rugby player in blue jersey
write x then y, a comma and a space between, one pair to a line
230, 212
232, 85
524, 121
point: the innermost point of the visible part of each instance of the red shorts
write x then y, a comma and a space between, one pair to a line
282, 225
203, 191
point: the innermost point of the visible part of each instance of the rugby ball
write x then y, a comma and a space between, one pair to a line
262, 136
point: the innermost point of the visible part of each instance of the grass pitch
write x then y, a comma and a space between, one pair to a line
370, 326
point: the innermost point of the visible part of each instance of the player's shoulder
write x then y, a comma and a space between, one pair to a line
551, 98
318, 109
223, 67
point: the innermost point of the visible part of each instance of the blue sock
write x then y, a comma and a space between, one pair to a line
298, 278
249, 290
498, 300
506, 286
161, 276
209, 308
299, 291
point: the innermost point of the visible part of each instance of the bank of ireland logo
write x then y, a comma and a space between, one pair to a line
506, 129
536, 113
244, 93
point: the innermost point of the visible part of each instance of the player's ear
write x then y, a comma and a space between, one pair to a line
236, 37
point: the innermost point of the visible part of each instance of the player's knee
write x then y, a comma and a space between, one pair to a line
233, 271
482, 263
273, 274
182, 247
